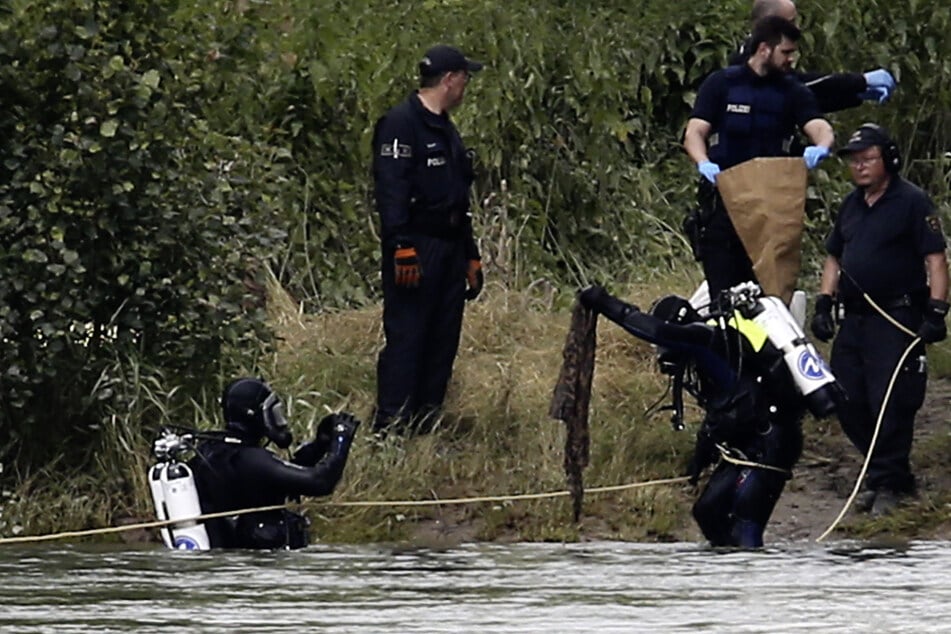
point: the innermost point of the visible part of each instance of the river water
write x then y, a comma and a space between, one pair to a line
551, 588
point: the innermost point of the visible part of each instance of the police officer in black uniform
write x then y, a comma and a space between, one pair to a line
431, 264
747, 111
753, 409
833, 91
886, 247
234, 472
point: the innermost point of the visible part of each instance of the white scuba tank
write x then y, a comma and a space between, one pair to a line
797, 307
158, 499
809, 371
700, 300
176, 498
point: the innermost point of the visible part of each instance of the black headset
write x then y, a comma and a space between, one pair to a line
891, 156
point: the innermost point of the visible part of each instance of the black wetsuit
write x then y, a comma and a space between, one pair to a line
753, 414
231, 475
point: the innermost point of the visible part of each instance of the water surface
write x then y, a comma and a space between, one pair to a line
592, 587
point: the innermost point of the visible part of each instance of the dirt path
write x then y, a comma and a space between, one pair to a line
826, 474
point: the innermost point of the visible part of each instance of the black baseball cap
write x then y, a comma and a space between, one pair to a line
866, 136
446, 59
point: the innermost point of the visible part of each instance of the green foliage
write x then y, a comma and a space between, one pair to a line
154, 156
571, 119
126, 224
576, 119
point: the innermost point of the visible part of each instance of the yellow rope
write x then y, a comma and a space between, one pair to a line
132, 527
729, 457
369, 503
889, 318
871, 447
508, 498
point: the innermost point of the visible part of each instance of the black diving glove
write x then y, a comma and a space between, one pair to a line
309, 454
823, 326
343, 429
933, 329
597, 299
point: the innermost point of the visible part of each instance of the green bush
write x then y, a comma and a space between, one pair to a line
127, 225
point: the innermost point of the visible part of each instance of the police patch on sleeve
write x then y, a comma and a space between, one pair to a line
934, 223
396, 150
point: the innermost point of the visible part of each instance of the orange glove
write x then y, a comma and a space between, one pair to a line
475, 279
407, 267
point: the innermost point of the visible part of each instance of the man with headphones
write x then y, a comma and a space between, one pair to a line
887, 271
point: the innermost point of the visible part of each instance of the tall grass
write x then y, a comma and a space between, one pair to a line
495, 437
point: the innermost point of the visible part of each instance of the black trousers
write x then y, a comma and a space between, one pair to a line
422, 327
720, 250
864, 356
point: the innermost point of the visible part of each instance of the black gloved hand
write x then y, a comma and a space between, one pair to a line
309, 454
592, 297
822, 325
343, 427
933, 329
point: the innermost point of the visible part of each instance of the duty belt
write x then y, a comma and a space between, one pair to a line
442, 223
862, 307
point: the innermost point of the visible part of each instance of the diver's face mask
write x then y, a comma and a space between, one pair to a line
275, 424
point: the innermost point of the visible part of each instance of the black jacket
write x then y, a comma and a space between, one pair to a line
422, 175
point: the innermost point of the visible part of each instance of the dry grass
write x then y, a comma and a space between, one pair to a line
495, 437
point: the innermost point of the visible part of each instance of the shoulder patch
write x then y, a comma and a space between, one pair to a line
396, 150
934, 223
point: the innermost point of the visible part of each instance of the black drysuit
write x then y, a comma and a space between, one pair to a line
753, 414
231, 475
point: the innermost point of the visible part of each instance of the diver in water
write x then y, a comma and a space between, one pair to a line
233, 471
736, 364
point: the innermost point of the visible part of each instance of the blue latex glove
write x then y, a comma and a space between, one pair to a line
709, 169
879, 85
814, 154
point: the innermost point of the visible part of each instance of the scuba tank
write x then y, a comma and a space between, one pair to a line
811, 375
700, 300
175, 495
158, 499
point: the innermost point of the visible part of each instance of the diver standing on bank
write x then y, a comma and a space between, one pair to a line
754, 374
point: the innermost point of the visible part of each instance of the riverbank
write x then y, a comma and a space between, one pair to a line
497, 440
810, 504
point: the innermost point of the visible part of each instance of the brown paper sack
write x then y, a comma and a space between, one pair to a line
766, 200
